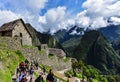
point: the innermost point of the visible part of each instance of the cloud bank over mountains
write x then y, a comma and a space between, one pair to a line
93, 15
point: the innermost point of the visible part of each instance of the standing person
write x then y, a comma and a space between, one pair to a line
36, 65
31, 73
50, 76
20, 77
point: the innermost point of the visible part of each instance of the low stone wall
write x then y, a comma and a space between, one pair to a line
54, 62
30, 53
10, 43
57, 52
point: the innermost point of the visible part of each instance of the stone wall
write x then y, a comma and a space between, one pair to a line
10, 43
54, 62
32, 53
25, 36
57, 52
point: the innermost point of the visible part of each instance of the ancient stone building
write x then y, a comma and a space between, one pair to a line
17, 28
53, 51
57, 52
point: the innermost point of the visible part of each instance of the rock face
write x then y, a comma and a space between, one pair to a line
95, 50
55, 62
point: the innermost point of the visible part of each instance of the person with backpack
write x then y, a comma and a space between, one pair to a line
50, 76
31, 73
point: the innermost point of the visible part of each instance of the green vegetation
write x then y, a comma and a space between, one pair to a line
50, 55
26, 46
66, 59
42, 51
81, 70
9, 61
3, 45
47, 68
70, 45
94, 49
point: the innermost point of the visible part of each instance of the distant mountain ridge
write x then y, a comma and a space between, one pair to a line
67, 38
116, 45
111, 32
64, 35
98, 52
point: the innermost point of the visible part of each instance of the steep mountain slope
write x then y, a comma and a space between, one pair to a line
48, 39
116, 45
69, 38
95, 50
111, 32
41, 38
65, 35
70, 45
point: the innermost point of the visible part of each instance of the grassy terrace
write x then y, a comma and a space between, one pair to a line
9, 60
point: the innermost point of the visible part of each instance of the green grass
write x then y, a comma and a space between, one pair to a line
3, 44
66, 59
10, 60
5, 76
42, 51
95, 80
50, 55
26, 46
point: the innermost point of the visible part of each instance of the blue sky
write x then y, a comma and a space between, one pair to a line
54, 15
71, 5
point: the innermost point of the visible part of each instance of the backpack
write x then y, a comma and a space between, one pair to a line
31, 71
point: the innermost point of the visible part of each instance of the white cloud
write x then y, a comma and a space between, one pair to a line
6, 16
82, 20
28, 10
54, 19
95, 15
73, 32
115, 20
97, 12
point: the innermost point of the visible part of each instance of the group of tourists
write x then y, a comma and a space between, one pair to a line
25, 72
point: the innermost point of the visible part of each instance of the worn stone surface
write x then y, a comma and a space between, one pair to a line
10, 43
54, 62
17, 28
58, 52
25, 36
